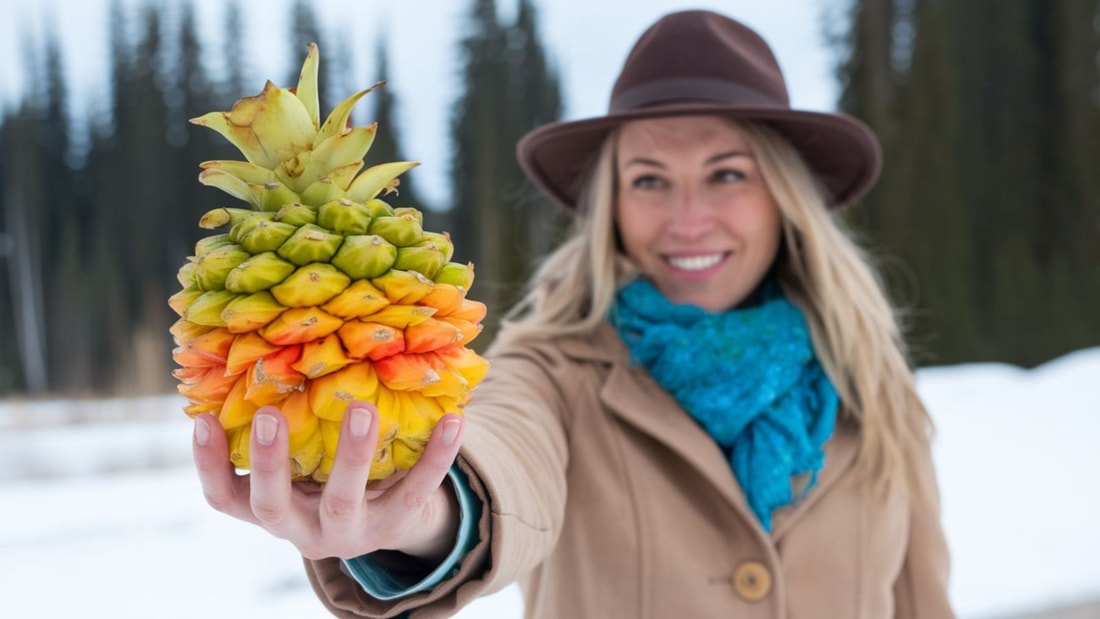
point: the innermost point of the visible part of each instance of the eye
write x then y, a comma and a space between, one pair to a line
727, 175
647, 181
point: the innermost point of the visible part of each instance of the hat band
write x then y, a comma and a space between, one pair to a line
688, 89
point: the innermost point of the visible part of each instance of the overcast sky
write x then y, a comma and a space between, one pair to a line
588, 39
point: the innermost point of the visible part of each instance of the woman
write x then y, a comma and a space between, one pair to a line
701, 409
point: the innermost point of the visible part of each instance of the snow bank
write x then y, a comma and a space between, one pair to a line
111, 513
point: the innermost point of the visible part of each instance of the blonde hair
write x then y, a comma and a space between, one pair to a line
574, 287
854, 327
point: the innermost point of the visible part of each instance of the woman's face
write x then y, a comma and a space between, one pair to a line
693, 211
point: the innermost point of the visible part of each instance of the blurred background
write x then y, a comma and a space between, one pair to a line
986, 220
987, 215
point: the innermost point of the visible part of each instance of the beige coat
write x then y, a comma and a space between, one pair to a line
606, 500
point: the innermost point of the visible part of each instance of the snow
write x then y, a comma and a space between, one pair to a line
1017, 461
106, 518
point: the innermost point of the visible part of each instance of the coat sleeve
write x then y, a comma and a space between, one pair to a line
515, 456
921, 590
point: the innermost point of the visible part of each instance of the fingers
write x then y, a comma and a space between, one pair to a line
220, 485
270, 479
429, 512
424, 478
335, 521
342, 500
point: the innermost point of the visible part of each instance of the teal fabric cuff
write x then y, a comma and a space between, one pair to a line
382, 584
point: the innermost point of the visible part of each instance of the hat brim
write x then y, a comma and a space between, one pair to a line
840, 149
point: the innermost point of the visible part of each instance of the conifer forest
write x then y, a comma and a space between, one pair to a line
986, 221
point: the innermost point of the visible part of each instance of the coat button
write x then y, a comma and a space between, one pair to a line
752, 581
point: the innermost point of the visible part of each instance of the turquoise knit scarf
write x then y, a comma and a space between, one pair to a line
748, 376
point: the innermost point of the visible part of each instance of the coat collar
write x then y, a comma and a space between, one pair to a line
634, 397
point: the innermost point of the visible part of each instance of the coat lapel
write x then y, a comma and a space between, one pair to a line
635, 398
840, 455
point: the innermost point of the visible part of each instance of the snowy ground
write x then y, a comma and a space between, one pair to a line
106, 519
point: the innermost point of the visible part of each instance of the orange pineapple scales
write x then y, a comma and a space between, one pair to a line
321, 293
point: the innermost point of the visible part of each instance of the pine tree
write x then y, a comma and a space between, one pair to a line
481, 152
536, 100
934, 228
41, 216
387, 140
869, 90
106, 309
305, 29
234, 55
131, 164
1070, 205
193, 94
989, 187
57, 210
509, 88
866, 74
148, 275
21, 198
11, 371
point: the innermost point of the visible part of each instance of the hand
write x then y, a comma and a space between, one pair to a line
415, 514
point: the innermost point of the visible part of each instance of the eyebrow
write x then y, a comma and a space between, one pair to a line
709, 161
728, 155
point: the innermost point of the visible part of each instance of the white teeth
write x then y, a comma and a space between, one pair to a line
694, 263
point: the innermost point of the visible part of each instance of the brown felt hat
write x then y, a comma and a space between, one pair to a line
699, 62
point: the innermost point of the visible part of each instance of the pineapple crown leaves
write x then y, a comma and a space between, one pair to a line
290, 154
268, 128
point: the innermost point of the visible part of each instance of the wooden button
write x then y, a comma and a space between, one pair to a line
752, 581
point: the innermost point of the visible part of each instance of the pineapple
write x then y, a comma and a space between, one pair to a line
321, 292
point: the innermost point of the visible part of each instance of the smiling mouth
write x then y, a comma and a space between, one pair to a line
695, 263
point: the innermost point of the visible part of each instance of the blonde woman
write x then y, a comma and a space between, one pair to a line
702, 408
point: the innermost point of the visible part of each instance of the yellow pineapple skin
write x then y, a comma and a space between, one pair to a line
320, 292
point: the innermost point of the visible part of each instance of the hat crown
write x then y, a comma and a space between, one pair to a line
703, 63
699, 56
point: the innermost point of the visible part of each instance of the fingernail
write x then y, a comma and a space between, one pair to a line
450, 431
360, 421
265, 426
202, 432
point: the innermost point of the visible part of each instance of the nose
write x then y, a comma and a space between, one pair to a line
690, 217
